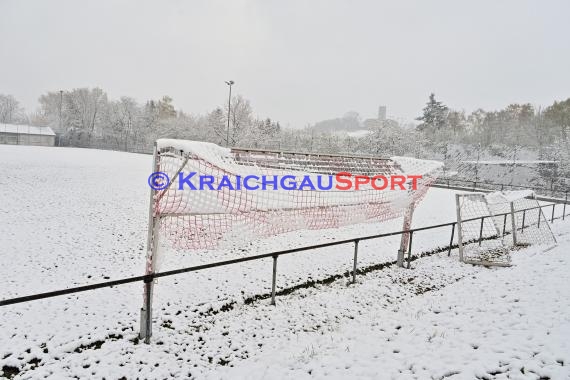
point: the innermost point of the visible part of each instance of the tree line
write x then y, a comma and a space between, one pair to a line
516, 124
87, 117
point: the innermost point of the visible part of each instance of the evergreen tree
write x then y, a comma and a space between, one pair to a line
165, 108
434, 117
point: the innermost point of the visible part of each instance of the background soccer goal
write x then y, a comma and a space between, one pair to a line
491, 225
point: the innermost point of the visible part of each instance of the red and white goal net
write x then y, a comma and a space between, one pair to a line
205, 197
228, 210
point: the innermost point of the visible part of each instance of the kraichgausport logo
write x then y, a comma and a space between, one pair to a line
341, 181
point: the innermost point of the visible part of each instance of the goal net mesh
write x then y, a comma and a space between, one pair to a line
490, 241
207, 219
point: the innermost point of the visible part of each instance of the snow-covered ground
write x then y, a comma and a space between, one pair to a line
71, 217
470, 323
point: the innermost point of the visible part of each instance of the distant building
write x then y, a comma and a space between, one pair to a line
381, 121
382, 113
26, 135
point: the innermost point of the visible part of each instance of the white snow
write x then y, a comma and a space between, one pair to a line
71, 217
493, 323
359, 133
508, 196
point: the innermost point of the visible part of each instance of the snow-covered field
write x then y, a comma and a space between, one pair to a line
72, 217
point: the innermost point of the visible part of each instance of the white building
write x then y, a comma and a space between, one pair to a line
26, 135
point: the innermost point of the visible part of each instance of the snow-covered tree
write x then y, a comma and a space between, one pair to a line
10, 110
240, 119
165, 108
216, 123
84, 109
434, 116
558, 116
457, 122
125, 120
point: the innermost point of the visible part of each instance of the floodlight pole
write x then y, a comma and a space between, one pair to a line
60, 121
229, 83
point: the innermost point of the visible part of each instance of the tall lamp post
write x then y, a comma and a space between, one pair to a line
60, 121
229, 83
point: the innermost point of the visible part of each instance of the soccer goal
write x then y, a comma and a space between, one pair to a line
491, 226
208, 197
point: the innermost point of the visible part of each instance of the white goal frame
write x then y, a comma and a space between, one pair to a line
499, 233
187, 155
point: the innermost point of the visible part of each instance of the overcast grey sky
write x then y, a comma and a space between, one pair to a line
297, 61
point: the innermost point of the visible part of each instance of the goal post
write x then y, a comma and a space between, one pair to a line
532, 225
150, 263
206, 197
492, 225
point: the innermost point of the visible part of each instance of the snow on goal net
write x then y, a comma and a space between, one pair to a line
256, 194
512, 219
206, 197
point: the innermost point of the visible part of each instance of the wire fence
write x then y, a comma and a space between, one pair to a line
561, 193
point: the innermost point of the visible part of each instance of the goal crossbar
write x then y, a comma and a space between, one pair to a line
221, 215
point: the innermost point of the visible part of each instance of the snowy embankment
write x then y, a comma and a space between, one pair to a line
501, 323
71, 217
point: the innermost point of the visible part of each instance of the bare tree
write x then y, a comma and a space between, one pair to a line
240, 118
125, 119
85, 108
10, 110
216, 123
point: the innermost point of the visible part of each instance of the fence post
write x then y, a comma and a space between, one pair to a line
459, 232
451, 240
552, 216
504, 224
539, 215
514, 224
481, 230
355, 261
274, 279
524, 215
410, 249
405, 235
564, 208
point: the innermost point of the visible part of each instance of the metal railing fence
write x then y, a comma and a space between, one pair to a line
275, 255
479, 185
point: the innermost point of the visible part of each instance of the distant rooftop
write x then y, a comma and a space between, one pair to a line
26, 129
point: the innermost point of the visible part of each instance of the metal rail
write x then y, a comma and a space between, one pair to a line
485, 186
150, 277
